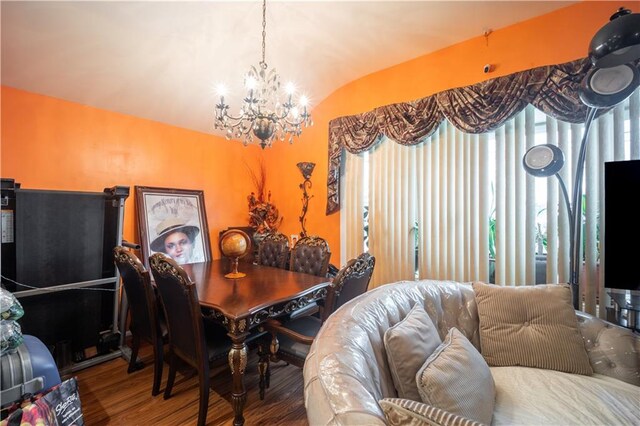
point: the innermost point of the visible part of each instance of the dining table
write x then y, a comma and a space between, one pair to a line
242, 304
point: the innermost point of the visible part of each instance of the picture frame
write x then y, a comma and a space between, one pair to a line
173, 221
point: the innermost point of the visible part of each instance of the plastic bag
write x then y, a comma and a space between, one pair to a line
10, 332
10, 336
10, 308
59, 406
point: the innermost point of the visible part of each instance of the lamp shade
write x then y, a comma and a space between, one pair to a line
618, 42
543, 160
306, 168
606, 87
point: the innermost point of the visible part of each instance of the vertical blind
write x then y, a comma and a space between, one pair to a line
391, 198
433, 207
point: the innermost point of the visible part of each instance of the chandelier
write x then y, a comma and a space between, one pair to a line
263, 114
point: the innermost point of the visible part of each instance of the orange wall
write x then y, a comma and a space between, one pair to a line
53, 144
48, 143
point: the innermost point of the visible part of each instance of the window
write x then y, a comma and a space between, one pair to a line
455, 192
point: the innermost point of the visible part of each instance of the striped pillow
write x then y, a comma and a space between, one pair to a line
457, 379
530, 326
406, 412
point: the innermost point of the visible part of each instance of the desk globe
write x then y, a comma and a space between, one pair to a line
235, 244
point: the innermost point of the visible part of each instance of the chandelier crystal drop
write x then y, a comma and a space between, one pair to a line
264, 114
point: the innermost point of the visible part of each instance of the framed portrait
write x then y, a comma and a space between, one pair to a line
174, 222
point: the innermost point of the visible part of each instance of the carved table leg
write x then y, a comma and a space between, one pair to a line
238, 363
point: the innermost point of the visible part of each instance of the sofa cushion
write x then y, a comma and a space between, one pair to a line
530, 326
408, 344
532, 396
457, 379
405, 412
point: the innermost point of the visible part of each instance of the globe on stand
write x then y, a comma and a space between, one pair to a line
235, 244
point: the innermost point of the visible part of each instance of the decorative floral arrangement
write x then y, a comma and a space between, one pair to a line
263, 215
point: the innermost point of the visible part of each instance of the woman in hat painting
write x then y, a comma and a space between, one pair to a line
177, 239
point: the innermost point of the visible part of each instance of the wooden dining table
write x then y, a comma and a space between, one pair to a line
242, 304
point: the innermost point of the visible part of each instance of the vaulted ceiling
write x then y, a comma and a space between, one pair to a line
163, 60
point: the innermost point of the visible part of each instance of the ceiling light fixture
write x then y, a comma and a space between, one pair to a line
263, 115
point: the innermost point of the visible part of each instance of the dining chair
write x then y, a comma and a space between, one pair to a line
200, 344
310, 255
147, 322
273, 250
290, 341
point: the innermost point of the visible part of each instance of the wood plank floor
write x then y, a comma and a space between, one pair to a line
110, 396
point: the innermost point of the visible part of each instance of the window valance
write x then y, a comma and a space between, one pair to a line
478, 108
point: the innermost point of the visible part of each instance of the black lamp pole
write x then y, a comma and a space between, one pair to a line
575, 261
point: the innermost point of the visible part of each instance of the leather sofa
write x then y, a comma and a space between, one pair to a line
347, 372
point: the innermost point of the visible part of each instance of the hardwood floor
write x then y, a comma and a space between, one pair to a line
110, 396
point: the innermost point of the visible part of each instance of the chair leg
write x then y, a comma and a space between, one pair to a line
275, 345
135, 345
204, 397
157, 367
273, 357
263, 368
267, 377
172, 374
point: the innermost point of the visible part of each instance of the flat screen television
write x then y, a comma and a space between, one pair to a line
622, 225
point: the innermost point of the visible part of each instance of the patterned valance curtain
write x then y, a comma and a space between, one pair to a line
473, 109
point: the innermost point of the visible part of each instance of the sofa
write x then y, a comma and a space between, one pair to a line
347, 373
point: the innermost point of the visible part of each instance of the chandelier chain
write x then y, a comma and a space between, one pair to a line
263, 64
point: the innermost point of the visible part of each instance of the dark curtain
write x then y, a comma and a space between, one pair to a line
478, 108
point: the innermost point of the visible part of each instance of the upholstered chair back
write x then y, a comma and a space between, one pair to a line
137, 286
274, 250
182, 310
310, 255
351, 281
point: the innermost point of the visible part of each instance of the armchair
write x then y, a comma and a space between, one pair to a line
290, 341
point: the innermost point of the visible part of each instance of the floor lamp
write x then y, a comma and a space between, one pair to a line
613, 78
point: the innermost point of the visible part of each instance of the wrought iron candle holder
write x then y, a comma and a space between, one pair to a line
306, 168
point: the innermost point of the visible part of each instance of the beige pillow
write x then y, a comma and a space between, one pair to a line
408, 344
456, 378
405, 412
530, 326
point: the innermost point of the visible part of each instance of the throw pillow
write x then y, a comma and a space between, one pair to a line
405, 412
408, 344
530, 326
456, 378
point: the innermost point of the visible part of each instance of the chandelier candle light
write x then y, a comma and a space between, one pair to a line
263, 115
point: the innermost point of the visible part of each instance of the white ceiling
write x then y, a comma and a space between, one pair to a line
163, 60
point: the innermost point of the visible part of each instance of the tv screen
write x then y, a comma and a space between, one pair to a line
622, 224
